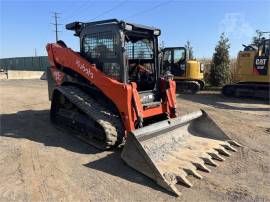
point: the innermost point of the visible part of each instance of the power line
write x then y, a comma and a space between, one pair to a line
101, 14
149, 9
77, 10
111, 9
56, 24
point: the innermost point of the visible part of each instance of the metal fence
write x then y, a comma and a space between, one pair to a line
39, 63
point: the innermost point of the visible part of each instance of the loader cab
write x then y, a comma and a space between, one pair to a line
141, 55
123, 51
174, 60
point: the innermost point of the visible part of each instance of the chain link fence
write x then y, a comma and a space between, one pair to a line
39, 63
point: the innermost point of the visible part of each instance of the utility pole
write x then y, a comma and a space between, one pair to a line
56, 24
35, 52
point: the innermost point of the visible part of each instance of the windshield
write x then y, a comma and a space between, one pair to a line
140, 49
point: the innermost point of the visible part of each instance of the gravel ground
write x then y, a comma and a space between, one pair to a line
40, 163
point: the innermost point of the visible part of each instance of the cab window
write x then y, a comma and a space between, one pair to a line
179, 55
101, 49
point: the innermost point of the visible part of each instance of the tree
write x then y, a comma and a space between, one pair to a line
220, 66
189, 48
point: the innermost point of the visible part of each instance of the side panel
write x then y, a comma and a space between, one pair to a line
193, 71
252, 68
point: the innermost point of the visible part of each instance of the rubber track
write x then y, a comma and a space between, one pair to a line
184, 86
111, 123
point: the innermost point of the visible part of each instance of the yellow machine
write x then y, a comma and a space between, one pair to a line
252, 73
188, 74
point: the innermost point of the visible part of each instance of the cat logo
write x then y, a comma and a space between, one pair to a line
261, 65
261, 61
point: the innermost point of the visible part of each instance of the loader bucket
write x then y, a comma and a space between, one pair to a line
170, 150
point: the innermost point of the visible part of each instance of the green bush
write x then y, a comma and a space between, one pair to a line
220, 65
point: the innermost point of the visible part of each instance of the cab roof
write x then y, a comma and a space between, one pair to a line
78, 26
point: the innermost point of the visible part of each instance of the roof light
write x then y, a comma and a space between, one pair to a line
157, 32
128, 27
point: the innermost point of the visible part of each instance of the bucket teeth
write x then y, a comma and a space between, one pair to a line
170, 177
202, 167
170, 151
216, 156
229, 147
184, 181
209, 161
179, 164
198, 162
174, 176
193, 172
234, 143
223, 152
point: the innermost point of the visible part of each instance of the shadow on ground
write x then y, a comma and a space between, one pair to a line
222, 102
114, 165
36, 126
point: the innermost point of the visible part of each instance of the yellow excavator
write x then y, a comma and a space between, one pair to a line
188, 73
252, 73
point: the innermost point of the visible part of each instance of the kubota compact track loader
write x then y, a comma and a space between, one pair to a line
111, 93
188, 73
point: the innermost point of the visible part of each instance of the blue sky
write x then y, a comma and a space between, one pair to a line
25, 25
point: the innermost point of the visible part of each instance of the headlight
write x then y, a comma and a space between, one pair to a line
201, 68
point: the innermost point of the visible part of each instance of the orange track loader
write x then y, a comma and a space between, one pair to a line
111, 93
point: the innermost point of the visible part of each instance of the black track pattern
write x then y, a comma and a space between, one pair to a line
111, 123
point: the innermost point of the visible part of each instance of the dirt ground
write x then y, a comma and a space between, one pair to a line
40, 163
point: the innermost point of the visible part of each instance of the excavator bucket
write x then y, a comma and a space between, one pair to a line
170, 150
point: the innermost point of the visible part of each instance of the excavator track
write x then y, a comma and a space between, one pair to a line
187, 87
248, 90
91, 122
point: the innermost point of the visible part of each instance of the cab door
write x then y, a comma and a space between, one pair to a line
174, 60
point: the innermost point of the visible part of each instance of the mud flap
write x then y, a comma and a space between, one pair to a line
170, 150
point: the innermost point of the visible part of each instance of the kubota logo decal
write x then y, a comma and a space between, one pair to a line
58, 76
87, 71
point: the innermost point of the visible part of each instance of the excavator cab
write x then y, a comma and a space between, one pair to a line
188, 73
174, 60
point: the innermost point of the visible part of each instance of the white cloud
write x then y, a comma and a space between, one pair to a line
236, 25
